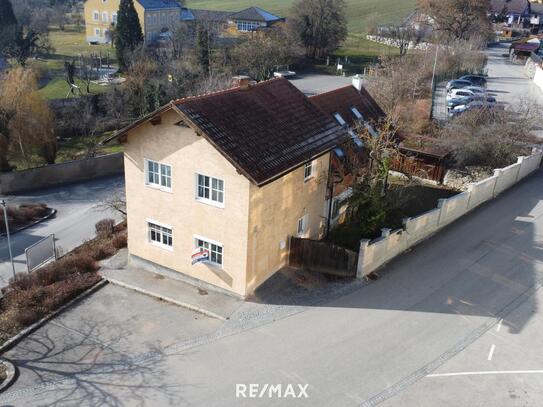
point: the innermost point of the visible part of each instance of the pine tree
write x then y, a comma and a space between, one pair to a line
128, 34
203, 46
7, 17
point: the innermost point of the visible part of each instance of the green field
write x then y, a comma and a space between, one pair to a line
68, 44
361, 14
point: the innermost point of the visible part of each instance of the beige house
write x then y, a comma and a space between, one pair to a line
156, 16
232, 175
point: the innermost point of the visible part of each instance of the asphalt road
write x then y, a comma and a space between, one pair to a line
414, 337
78, 211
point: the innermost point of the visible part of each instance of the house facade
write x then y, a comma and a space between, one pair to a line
234, 24
156, 16
231, 175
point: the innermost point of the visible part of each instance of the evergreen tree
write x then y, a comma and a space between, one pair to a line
203, 46
7, 18
128, 35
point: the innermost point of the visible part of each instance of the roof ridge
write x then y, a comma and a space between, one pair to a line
332, 91
222, 91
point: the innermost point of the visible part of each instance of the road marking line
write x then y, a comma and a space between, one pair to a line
489, 372
491, 353
499, 325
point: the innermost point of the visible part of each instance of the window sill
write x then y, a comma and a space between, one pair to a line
309, 178
161, 246
210, 203
160, 188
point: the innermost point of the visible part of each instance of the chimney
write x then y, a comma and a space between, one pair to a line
357, 82
242, 81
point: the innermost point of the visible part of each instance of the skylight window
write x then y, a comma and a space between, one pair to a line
357, 113
339, 119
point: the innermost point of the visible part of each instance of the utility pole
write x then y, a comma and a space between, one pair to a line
4, 206
433, 83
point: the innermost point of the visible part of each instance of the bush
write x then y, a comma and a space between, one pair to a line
120, 241
105, 228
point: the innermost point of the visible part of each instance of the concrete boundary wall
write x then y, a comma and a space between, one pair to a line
58, 174
373, 254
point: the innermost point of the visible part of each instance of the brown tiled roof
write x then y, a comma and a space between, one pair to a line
265, 130
341, 100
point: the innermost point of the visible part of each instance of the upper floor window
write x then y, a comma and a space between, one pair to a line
163, 18
210, 190
308, 170
247, 26
155, 19
97, 32
158, 175
114, 18
149, 20
160, 235
105, 17
96, 15
339, 119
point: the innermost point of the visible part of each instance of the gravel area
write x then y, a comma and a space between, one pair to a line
3, 372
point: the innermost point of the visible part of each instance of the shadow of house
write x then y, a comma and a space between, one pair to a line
485, 264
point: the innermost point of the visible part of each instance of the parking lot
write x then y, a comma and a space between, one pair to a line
506, 82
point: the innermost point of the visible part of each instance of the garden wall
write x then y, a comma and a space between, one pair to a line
373, 254
57, 174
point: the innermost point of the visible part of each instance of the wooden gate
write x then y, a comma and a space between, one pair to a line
322, 257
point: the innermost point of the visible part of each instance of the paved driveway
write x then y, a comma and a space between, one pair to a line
78, 211
435, 310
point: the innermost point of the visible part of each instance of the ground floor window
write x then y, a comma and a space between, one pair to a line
160, 235
215, 249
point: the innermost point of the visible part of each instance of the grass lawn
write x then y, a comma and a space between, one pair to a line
68, 44
57, 88
74, 148
361, 14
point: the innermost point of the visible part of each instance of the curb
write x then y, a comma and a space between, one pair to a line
12, 232
167, 299
14, 340
12, 375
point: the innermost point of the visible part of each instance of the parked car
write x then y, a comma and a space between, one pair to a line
458, 84
458, 101
480, 105
477, 80
476, 89
455, 93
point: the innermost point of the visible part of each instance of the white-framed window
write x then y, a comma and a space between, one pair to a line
97, 32
155, 19
210, 190
301, 227
308, 170
105, 16
163, 17
216, 249
158, 175
159, 234
357, 113
339, 119
336, 205
246, 26
114, 17
149, 20
96, 15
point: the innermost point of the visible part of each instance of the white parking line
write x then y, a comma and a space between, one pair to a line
489, 372
499, 325
491, 353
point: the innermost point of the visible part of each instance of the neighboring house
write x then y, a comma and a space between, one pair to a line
351, 107
518, 13
156, 17
233, 173
233, 24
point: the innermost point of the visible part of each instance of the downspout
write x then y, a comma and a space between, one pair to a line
331, 193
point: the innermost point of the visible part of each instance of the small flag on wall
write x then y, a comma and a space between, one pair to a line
199, 256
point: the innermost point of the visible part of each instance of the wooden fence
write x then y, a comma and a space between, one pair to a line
322, 257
